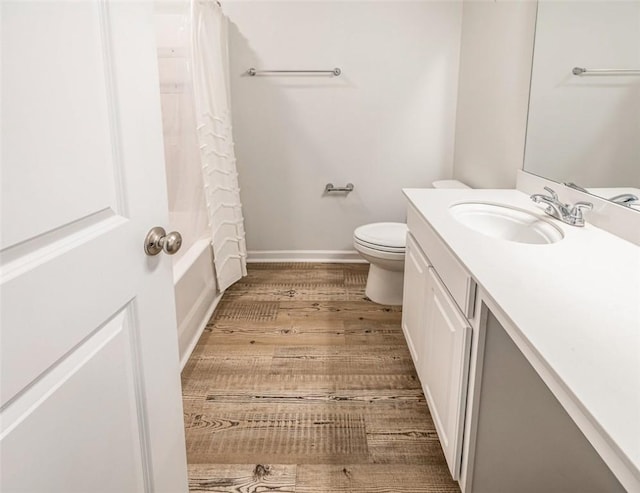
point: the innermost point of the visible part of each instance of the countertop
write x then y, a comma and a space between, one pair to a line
576, 303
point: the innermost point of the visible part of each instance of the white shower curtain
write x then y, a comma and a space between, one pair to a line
210, 67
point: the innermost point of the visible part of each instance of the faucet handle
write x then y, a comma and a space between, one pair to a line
577, 216
580, 206
552, 192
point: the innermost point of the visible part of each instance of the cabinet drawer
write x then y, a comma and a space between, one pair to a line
458, 282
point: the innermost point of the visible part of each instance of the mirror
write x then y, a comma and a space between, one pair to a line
583, 127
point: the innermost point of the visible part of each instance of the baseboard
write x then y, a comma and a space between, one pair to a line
329, 256
184, 357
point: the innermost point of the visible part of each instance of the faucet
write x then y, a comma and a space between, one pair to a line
568, 214
624, 199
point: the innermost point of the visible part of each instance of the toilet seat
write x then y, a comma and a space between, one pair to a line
384, 237
377, 253
378, 248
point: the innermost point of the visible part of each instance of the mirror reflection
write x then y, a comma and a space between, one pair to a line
584, 109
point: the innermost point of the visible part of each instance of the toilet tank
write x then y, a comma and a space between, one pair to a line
449, 184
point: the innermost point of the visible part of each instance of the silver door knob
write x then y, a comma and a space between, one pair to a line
157, 240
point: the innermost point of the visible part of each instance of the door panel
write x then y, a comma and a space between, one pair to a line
59, 120
53, 413
90, 373
445, 369
416, 277
44, 322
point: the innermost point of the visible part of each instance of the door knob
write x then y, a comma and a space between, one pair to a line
157, 240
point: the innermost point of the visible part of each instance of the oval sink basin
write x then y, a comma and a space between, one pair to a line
506, 223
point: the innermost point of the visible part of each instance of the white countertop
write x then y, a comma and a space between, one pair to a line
576, 303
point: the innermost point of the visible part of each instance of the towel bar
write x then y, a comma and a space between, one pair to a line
330, 188
253, 72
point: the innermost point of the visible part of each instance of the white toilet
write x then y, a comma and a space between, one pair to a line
383, 246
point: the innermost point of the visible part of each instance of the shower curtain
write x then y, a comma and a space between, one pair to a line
209, 53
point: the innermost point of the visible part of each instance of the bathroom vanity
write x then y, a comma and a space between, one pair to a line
528, 348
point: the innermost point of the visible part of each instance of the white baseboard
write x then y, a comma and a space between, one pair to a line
184, 357
328, 256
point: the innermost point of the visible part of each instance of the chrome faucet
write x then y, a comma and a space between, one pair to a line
624, 199
569, 214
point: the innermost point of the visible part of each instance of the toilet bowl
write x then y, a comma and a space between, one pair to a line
383, 246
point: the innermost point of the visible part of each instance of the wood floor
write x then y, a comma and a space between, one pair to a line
301, 384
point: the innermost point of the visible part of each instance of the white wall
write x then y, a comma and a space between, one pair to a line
586, 129
386, 123
495, 69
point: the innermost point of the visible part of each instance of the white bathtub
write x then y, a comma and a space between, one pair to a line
193, 274
196, 295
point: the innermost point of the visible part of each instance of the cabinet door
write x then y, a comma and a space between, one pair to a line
416, 278
444, 369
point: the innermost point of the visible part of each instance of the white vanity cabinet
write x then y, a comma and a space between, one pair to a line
439, 338
507, 367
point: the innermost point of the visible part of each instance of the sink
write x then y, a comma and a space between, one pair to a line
506, 223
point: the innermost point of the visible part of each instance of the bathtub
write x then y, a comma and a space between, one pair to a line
196, 295
193, 275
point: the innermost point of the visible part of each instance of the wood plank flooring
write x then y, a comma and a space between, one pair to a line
299, 383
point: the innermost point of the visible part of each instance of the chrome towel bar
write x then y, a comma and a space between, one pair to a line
604, 71
330, 188
252, 72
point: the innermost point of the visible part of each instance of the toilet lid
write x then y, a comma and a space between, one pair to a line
390, 235
384, 249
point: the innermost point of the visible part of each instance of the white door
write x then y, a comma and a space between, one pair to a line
445, 368
416, 282
89, 384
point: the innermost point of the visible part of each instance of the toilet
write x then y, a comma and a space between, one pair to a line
383, 246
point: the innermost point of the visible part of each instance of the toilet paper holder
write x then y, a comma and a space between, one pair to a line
330, 188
